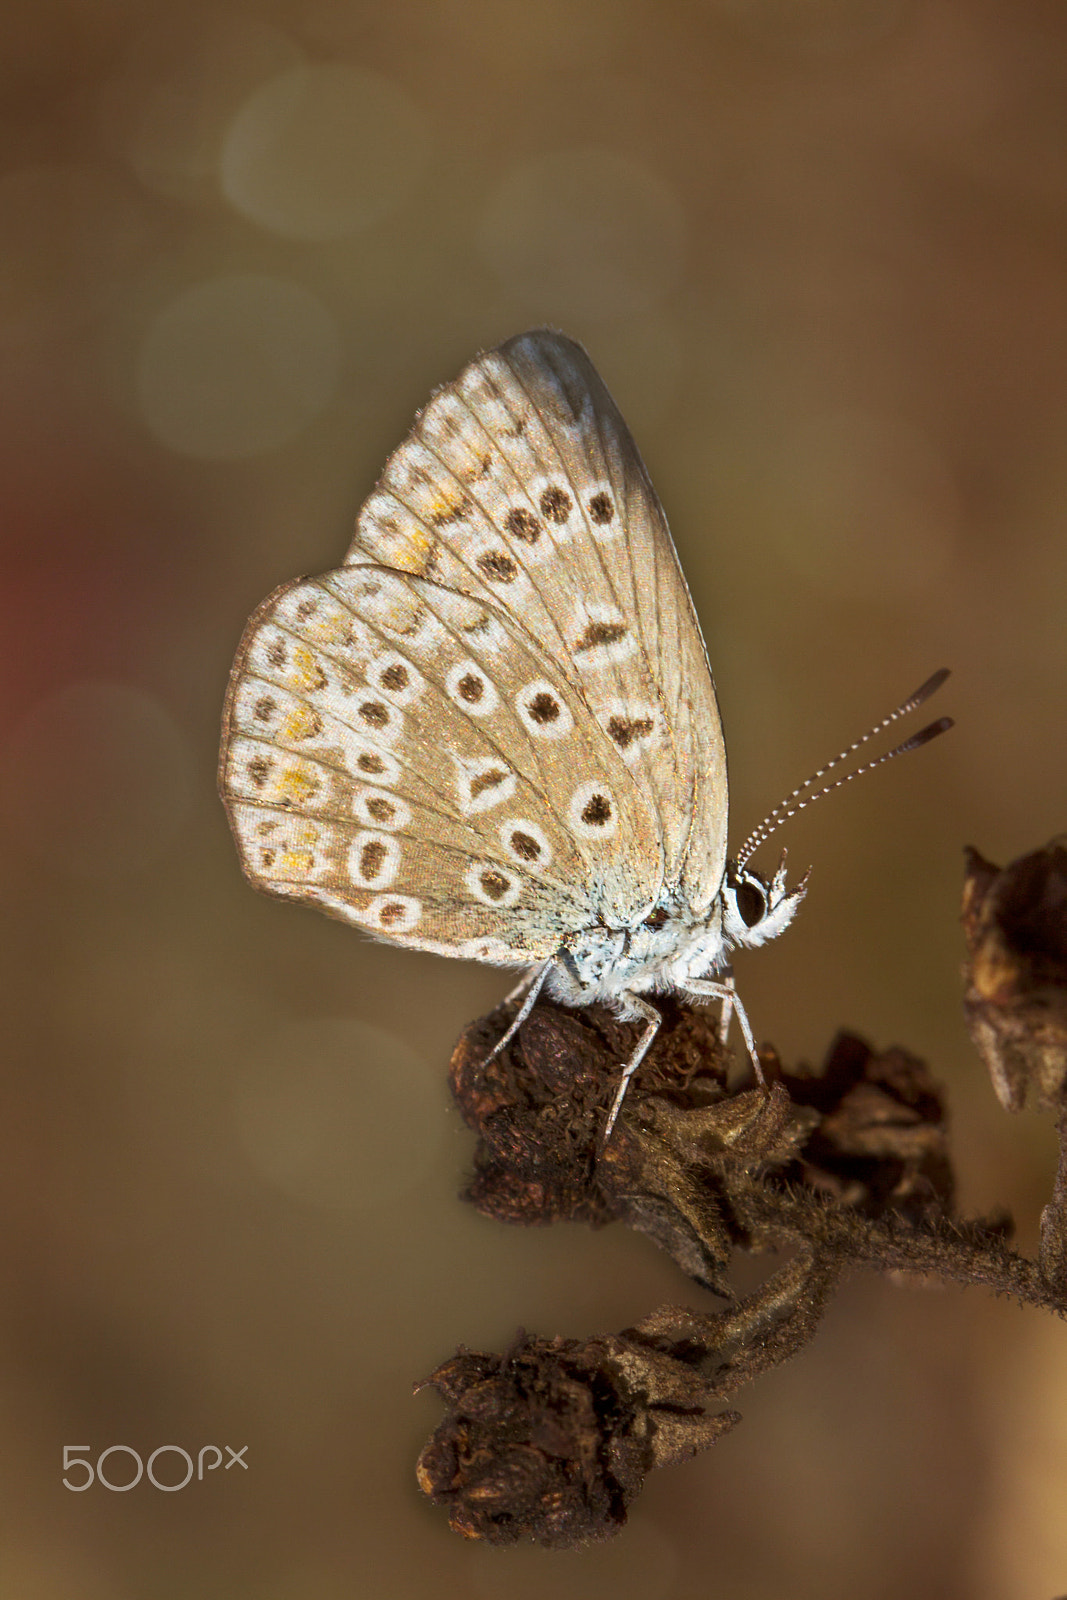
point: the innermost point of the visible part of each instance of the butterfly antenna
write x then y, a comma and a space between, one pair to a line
793, 802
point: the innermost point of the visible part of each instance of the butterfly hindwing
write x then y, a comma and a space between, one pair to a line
401, 755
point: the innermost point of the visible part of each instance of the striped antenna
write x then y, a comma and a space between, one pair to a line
786, 808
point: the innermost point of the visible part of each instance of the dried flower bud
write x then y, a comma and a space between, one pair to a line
540, 1106
1015, 925
881, 1142
553, 1440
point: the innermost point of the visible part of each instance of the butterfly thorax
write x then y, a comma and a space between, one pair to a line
673, 947
600, 963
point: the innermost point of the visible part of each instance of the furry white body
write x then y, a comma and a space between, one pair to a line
667, 953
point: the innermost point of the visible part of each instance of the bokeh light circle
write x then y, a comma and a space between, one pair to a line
323, 151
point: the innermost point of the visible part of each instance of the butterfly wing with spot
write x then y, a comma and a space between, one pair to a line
521, 486
390, 753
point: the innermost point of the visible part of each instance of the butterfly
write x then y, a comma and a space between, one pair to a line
493, 732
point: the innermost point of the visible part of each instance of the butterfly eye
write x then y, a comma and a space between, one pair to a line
751, 902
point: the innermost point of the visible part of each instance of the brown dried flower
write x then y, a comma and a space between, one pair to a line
552, 1440
1015, 925
881, 1141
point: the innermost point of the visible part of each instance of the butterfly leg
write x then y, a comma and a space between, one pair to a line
521, 987
710, 989
728, 1001
533, 986
652, 1019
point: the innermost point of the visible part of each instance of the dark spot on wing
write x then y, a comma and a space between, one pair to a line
371, 857
597, 811
374, 713
395, 677
522, 524
624, 730
556, 504
600, 633
497, 565
544, 707
487, 780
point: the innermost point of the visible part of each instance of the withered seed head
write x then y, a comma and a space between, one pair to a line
552, 1440
539, 1108
881, 1141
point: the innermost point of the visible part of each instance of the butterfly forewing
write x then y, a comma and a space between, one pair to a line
521, 484
644, 567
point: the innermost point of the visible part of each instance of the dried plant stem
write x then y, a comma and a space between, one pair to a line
952, 1252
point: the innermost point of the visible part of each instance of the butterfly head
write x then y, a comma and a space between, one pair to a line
755, 908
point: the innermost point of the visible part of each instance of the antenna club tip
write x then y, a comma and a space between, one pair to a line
917, 740
931, 686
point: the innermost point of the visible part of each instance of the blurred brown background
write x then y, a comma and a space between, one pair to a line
818, 250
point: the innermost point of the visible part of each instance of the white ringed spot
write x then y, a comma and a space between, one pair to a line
526, 844
380, 809
373, 860
493, 885
392, 676
471, 689
592, 811
371, 713
483, 783
392, 913
542, 710
600, 637
631, 725
371, 761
